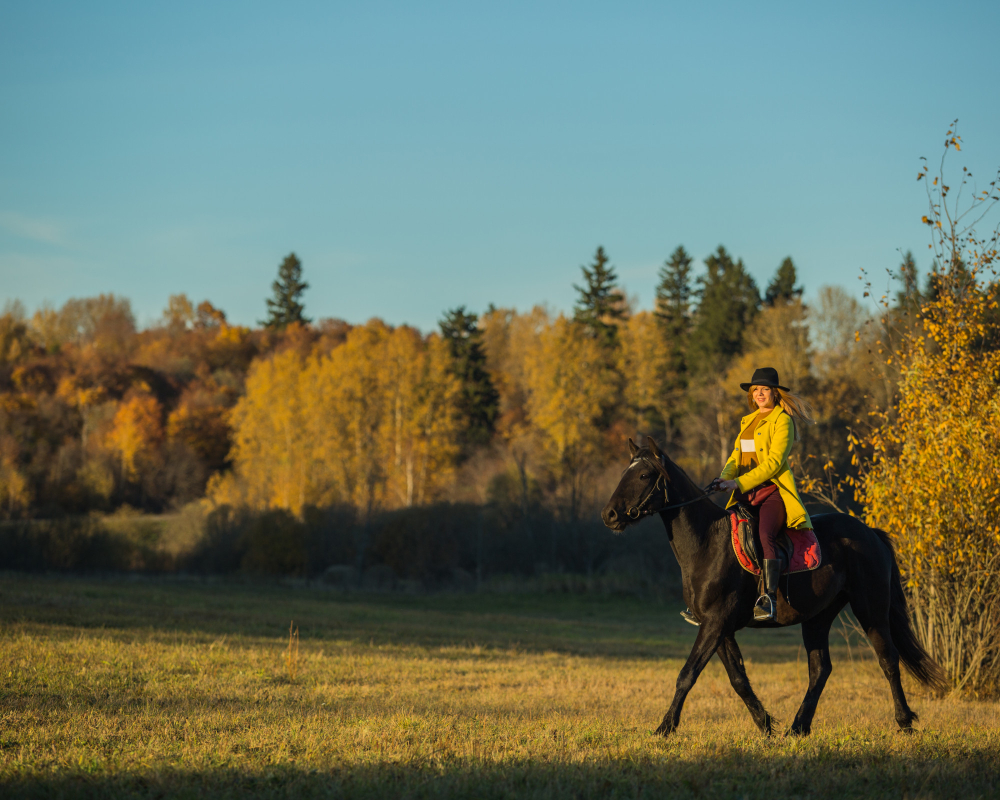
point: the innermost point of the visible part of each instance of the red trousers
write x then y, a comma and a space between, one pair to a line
771, 519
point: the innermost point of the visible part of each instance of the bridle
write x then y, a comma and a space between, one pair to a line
639, 511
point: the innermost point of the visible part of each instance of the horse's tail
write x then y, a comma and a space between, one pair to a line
917, 660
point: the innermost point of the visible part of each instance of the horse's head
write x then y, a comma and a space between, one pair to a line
643, 489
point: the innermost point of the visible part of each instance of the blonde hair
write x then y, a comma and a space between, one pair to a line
796, 407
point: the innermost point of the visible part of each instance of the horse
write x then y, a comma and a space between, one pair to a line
858, 566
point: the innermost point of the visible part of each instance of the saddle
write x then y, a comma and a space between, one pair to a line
748, 534
798, 549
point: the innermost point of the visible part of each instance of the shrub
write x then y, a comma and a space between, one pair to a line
66, 544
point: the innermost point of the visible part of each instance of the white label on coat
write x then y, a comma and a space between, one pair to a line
746, 445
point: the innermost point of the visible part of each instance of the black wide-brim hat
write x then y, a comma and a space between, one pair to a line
765, 376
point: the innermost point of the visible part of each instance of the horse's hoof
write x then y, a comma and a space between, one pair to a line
797, 730
664, 730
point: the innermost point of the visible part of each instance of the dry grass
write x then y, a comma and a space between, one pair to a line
292, 652
167, 689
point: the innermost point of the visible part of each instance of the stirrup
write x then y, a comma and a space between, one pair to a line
688, 616
764, 609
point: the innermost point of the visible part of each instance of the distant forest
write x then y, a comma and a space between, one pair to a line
528, 409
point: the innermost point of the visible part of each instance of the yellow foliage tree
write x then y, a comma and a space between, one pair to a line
643, 362
271, 449
932, 480
15, 494
373, 423
508, 339
390, 425
569, 387
136, 431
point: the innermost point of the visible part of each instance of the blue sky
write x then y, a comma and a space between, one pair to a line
425, 155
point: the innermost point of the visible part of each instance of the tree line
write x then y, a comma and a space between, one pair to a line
532, 405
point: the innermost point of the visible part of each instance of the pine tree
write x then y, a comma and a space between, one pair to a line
782, 288
285, 307
601, 305
479, 402
909, 296
728, 301
673, 310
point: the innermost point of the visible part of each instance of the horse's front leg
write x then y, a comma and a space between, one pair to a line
709, 636
732, 659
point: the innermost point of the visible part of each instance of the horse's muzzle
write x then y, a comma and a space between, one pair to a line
612, 519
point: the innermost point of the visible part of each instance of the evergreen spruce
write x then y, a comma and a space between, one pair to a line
673, 311
479, 402
908, 296
601, 305
728, 301
782, 288
285, 307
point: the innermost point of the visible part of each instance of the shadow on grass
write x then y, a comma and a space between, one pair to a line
620, 627
731, 773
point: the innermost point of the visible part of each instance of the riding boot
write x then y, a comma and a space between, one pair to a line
767, 605
688, 616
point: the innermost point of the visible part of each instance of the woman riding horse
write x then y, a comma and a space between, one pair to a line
758, 475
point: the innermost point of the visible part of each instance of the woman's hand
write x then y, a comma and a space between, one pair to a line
727, 486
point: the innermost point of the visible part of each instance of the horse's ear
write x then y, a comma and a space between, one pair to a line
660, 458
633, 448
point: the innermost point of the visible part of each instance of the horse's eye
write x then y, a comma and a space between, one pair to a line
644, 476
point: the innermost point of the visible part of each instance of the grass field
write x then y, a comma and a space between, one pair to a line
162, 688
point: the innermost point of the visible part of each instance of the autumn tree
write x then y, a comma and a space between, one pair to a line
651, 395
567, 398
272, 450
15, 339
103, 326
285, 305
15, 490
931, 479
179, 314
137, 430
208, 316
200, 421
510, 340
374, 423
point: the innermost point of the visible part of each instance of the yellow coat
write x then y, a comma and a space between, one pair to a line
774, 438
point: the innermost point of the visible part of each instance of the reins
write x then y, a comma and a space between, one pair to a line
636, 512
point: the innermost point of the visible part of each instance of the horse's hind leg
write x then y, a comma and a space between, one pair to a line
731, 657
816, 637
872, 611
888, 659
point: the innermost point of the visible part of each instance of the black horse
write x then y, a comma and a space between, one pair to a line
858, 566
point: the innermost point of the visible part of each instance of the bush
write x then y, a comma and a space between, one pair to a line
457, 545
75, 544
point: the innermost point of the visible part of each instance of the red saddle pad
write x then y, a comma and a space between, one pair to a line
806, 554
